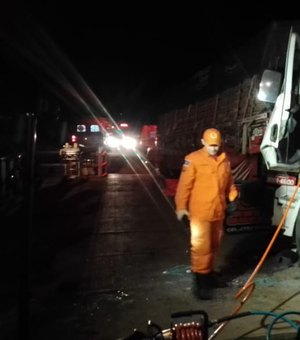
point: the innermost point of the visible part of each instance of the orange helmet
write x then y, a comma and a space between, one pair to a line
212, 137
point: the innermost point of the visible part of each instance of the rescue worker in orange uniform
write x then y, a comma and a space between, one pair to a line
204, 188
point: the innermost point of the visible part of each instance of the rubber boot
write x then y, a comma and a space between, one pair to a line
202, 288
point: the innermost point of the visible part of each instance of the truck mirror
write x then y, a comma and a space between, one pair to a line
269, 86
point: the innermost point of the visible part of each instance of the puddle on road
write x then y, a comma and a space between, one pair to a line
181, 270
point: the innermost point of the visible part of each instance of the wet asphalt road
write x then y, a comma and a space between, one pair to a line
108, 255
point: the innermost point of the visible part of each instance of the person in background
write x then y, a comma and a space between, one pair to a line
204, 189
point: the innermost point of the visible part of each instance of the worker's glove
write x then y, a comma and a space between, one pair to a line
231, 208
181, 213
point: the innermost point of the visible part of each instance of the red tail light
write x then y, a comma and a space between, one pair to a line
73, 139
123, 125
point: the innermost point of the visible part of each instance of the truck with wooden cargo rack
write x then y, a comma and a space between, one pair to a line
258, 117
242, 119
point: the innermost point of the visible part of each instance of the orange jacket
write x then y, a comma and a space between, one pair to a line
204, 185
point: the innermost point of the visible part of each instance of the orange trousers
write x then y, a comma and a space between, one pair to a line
205, 241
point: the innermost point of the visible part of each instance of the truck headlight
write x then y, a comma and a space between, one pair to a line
128, 143
112, 142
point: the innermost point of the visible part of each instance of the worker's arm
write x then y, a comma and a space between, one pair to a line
232, 190
184, 188
233, 193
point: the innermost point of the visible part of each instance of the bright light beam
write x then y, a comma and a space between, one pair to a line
40, 56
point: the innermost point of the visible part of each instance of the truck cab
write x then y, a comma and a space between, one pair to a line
280, 146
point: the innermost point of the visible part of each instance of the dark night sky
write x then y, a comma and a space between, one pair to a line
129, 60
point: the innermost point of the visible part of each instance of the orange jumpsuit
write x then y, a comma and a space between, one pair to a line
204, 186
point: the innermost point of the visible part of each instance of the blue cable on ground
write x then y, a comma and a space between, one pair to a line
277, 316
282, 316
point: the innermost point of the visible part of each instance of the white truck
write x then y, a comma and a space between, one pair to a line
280, 146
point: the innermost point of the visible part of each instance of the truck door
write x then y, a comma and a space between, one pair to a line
280, 146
